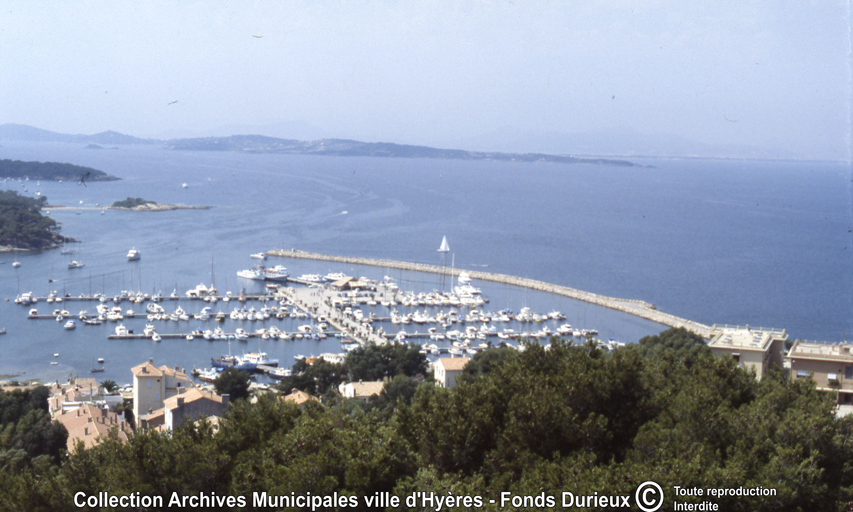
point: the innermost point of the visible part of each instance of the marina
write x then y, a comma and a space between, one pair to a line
599, 241
351, 311
634, 307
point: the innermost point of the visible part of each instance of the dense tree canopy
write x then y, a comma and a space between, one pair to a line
233, 382
16, 169
530, 422
22, 223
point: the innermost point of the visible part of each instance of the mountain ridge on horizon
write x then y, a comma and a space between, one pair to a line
332, 146
266, 144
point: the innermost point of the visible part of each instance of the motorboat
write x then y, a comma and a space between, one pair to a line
277, 273
259, 358
334, 276
259, 256
133, 255
279, 373
255, 273
69, 325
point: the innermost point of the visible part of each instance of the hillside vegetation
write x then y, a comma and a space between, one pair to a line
17, 169
22, 224
532, 422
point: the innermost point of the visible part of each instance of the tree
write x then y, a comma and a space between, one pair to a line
109, 385
375, 362
233, 382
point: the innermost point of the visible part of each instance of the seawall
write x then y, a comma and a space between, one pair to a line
633, 307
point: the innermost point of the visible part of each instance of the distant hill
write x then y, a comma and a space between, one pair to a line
28, 133
326, 147
343, 147
55, 171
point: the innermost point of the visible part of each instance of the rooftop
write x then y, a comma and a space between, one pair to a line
744, 338
91, 424
824, 351
451, 364
190, 395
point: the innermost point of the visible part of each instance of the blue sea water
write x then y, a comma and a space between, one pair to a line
759, 243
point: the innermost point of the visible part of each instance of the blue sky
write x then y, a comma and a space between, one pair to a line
503, 75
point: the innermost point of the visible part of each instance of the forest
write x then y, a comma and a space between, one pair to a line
533, 421
17, 169
22, 224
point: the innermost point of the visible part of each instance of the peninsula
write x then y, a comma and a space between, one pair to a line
55, 171
23, 227
344, 147
322, 147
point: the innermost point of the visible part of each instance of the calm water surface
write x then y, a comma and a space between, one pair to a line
758, 243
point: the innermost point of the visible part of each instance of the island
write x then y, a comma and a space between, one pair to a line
137, 204
17, 169
345, 147
22, 225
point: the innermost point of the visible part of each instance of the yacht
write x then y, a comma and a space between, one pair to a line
277, 273
334, 276
16, 264
76, 264
259, 358
311, 278
279, 373
133, 255
255, 273
69, 325
259, 256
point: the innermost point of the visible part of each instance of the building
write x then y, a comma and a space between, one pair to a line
91, 425
79, 392
752, 348
192, 404
830, 365
300, 398
447, 369
362, 390
152, 386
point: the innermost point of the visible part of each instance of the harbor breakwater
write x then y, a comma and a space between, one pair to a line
633, 307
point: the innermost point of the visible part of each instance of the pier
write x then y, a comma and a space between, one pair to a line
633, 307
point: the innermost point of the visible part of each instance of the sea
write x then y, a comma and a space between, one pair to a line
758, 243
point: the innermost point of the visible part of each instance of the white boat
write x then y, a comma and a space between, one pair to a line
155, 337
259, 256
69, 325
121, 330
279, 373
254, 273
76, 264
277, 273
184, 185
311, 278
133, 255
334, 276
256, 358
16, 264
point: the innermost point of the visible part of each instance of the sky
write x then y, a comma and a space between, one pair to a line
724, 78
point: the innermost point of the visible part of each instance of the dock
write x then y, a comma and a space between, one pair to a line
633, 307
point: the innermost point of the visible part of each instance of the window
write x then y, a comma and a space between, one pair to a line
832, 376
803, 374
149, 383
848, 372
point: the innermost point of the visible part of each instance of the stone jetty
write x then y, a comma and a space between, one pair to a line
634, 307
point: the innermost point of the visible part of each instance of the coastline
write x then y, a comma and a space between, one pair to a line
140, 208
631, 306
